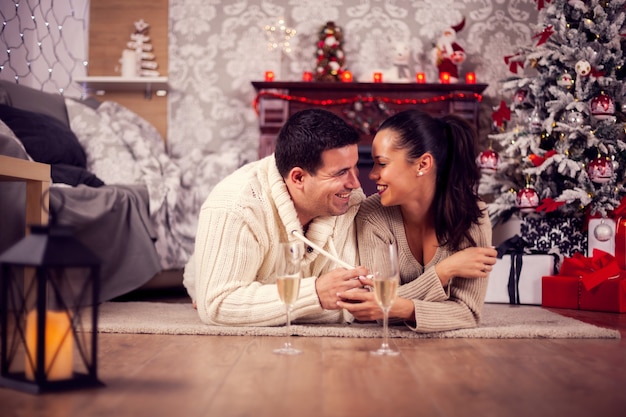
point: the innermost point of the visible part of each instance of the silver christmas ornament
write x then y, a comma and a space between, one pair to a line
603, 232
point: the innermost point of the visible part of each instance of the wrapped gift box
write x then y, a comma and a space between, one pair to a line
516, 279
562, 291
545, 233
595, 283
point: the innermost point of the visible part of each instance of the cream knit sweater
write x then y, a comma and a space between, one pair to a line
231, 274
434, 310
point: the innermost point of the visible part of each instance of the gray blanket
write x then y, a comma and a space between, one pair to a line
113, 221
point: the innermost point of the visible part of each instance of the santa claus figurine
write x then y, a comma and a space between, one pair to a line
447, 54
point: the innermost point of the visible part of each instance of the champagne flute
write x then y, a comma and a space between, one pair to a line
288, 275
386, 280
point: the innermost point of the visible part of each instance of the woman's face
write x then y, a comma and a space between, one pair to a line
396, 178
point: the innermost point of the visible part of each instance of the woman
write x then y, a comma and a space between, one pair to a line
427, 205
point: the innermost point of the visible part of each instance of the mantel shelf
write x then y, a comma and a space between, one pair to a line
95, 84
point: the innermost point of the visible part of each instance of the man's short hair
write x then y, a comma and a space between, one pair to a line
307, 134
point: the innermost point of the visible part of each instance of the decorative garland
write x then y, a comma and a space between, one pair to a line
368, 99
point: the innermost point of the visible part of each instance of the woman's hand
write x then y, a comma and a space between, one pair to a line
361, 303
471, 262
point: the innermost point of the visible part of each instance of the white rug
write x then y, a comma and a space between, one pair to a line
500, 321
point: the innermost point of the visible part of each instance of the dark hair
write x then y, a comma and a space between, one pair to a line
451, 142
308, 133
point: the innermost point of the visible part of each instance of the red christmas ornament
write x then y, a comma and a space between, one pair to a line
527, 199
488, 160
520, 96
600, 170
602, 106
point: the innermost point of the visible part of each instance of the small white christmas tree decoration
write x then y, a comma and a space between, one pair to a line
138, 58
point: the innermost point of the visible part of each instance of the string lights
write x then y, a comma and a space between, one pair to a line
35, 51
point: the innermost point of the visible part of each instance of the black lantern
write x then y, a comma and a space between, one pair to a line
49, 307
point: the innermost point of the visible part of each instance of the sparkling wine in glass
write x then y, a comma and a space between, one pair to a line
386, 280
288, 276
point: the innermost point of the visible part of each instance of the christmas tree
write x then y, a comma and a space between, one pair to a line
330, 55
559, 148
140, 44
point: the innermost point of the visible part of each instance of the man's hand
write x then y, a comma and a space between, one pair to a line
337, 281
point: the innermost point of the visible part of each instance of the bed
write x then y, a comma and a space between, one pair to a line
111, 180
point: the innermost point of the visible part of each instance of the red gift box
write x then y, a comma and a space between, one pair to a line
595, 283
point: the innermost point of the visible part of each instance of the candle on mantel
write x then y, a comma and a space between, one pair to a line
444, 78
470, 78
269, 75
58, 361
420, 78
346, 77
378, 77
307, 76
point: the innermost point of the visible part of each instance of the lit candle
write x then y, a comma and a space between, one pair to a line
58, 345
378, 77
346, 77
307, 76
269, 75
470, 78
444, 77
420, 78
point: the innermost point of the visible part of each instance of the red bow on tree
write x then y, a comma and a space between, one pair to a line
538, 160
513, 64
543, 36
540, 4
501, 114
620, 211
548, 205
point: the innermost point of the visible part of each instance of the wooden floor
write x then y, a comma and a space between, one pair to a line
189, 376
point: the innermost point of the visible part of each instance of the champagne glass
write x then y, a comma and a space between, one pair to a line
288, 275
386, 280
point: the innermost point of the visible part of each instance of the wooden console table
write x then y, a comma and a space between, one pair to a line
37, 178
364, 105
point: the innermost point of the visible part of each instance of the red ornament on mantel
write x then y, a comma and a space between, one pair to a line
488, 160
600, 170
527, 199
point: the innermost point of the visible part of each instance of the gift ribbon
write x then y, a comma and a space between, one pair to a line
517, 247
593, 271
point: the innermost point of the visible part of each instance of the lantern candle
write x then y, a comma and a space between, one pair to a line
420, 78
58, 345
346, 77
307, 76
444, 78
378, 77
269, 75
470, 78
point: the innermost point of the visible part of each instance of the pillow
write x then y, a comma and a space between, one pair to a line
107, 155
45, 138
30, 99
72, 175
15, 148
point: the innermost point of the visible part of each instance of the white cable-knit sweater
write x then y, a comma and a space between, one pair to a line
231, 274
434, 310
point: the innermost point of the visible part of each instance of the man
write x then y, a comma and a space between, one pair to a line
309, 185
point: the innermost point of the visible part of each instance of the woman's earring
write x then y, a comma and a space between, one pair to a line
420, 173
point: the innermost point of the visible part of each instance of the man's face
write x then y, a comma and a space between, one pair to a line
327, 193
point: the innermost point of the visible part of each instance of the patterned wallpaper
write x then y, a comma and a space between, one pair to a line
217, 48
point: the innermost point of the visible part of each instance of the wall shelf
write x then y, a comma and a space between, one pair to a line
100, 84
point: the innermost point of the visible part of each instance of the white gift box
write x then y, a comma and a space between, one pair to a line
593, 242
526, 288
